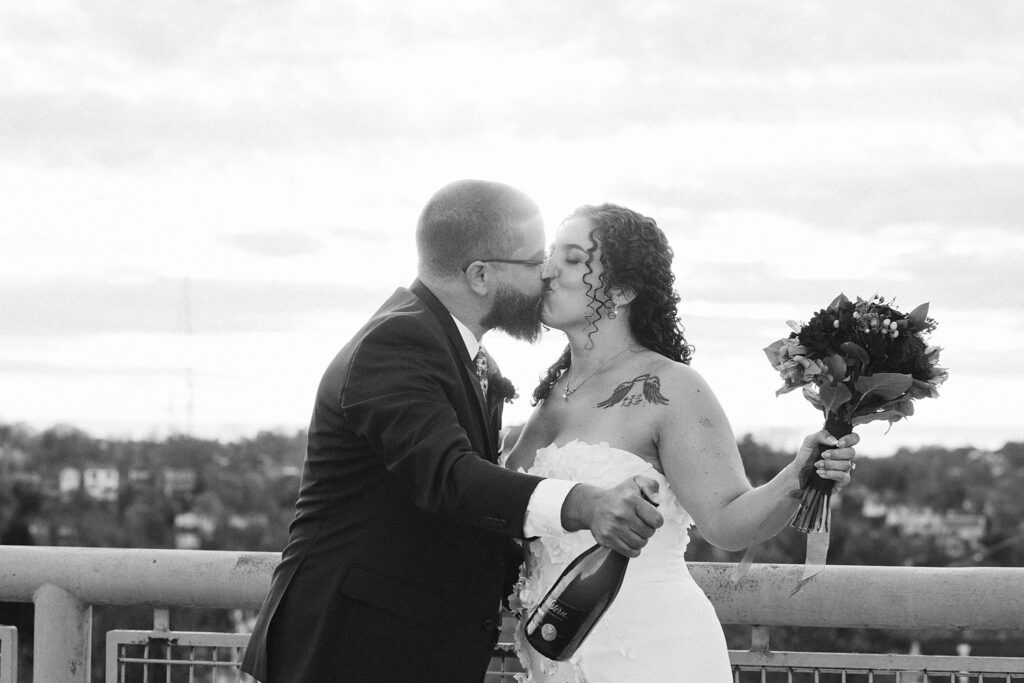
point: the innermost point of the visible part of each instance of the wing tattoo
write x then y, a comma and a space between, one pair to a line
651, 392
618, 394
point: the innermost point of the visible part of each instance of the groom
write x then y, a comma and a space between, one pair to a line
401, 547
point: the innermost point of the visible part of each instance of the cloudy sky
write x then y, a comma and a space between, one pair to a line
200, 202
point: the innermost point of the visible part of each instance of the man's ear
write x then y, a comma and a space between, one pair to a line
478, 277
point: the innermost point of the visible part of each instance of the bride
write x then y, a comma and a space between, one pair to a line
622, 401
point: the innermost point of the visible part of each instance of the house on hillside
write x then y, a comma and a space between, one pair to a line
98, 483
69, 481
101, 483
179, 481
191, 529
957, 532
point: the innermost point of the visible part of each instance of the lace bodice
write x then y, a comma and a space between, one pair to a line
603, 465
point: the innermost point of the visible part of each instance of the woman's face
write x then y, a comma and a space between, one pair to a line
572, 283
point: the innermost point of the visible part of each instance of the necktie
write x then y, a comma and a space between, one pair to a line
481, 369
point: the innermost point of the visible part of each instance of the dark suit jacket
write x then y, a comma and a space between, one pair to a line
402, 540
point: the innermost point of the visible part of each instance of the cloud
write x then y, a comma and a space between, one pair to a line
75, 371
354, 234
165, 306
870, 195
280, 243
730, 256
127, 83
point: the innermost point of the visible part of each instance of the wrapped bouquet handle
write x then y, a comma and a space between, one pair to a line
814, 514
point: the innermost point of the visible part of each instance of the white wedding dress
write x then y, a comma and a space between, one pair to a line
661, 626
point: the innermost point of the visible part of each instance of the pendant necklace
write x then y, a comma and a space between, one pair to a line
567, 392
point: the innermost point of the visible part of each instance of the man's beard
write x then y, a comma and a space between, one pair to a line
515, 313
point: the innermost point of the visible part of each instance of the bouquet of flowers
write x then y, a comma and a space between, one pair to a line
856, 362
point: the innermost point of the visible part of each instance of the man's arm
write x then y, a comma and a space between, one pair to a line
622, 518
395, 398
398, 396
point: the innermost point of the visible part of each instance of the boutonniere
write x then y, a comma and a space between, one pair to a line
504, 389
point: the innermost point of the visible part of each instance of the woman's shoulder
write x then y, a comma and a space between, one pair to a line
681, 382
674, 371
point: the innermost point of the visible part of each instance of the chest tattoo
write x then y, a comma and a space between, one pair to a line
650, 392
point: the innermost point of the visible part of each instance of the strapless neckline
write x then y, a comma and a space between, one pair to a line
581, 444
601, 464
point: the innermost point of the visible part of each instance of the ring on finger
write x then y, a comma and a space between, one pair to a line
853, 466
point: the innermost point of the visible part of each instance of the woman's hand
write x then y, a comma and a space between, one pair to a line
836, 459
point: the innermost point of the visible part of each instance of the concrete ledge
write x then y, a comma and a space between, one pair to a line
841, 596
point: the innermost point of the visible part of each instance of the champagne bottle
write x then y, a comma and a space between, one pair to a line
581, 595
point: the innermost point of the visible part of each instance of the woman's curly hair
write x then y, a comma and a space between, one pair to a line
636, 257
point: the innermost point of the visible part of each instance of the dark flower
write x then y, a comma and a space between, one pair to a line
502, 388
853, 341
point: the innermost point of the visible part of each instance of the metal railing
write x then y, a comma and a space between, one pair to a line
828, 667
8, 654
64, 583
157, 655
810, 667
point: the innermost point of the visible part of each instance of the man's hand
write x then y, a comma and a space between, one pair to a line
621, 518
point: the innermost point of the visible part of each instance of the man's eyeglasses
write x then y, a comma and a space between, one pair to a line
532, 263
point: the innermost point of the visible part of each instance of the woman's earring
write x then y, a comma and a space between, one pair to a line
614, 312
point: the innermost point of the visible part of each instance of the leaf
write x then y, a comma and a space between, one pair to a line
903, 405
812, 395
785, 389
922, 389
832, 397
919, 314
890, 415
892, 411
886, 385
855, 351
772, 351
841, 299
836, 366
889, 384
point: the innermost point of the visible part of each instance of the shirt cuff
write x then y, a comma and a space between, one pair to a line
544, 511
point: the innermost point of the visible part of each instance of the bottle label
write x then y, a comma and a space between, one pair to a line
557, 620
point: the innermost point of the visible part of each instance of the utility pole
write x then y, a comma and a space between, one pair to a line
188, 329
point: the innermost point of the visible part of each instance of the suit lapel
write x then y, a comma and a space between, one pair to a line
468, 368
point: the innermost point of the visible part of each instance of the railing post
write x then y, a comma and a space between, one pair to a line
62, 648
759, 639
8, 654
